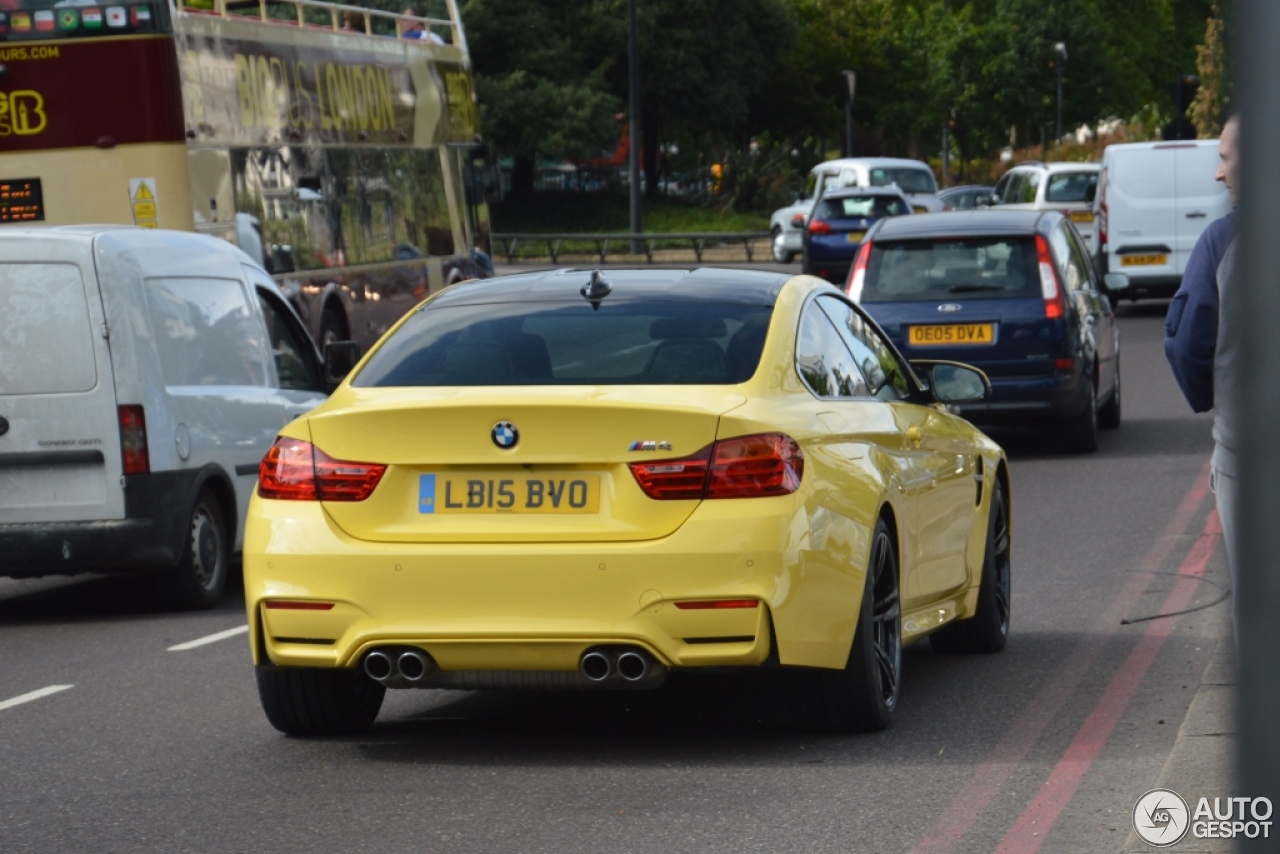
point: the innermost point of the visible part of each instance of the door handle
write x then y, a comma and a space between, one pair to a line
915, 435
1197, 215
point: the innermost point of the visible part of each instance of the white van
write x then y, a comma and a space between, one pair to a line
143, 376
1153, 201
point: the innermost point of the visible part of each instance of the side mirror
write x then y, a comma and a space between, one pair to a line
339, 358
1116, 281
953, 382
984, 199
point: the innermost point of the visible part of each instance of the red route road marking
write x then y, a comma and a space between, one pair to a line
989, 778
1043, 811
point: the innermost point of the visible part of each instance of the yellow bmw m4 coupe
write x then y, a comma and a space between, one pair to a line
577, 479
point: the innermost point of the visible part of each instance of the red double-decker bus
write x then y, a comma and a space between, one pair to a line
336, 145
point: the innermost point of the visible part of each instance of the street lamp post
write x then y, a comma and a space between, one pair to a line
1060, 52
850, 82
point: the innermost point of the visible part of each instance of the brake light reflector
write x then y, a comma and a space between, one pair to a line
858, 273
294, 470
294, 605
716, 604
744, 467
818, 226
133, 439
1053, 307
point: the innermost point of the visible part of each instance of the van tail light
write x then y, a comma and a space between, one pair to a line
294, 470
1101, 228
1049, 285
753, 466
858, 273
818, 226
133, 439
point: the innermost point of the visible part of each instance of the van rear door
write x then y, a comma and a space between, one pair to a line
1201, 198
60, 443
1141, 217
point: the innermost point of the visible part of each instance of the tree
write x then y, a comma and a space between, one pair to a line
1212, 98
540, 80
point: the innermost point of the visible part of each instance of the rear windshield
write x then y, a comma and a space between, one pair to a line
1071, 187
46, 337
977, 268
908, 180
852, 207
619, 343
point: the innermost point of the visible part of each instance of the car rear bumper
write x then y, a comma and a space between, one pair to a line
1021, 400
150, 537
540, 606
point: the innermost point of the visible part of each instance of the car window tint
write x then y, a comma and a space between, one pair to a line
908, 180
1071, 267
875, 358
824, 362
205, 332
626, 342
295, 366
1028, 188
853, 207
975, 268
1071, 187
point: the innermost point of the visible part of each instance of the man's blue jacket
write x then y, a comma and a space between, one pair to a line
1191, 326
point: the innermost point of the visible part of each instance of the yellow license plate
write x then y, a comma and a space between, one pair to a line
1082, 216
557, 492
951, 333
855, 236
1143, 260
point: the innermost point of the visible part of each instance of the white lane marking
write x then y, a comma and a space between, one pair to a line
213, 638
34, 695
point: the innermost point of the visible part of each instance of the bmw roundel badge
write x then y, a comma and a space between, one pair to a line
505, 435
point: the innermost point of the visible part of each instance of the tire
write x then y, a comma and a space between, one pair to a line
200, 577
1080, 434
307, 701
332, 329
781, 254
988, 629
864, 695
1109, 413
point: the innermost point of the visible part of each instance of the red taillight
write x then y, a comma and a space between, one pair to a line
133, 439
1049, 286
717, 604
744, 467
1064, 364
817, 226
674, 479
858, 273
294, 470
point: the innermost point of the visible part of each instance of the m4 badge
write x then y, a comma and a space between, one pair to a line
650, 445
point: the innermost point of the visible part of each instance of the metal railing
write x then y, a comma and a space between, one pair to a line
652, 242
338, 15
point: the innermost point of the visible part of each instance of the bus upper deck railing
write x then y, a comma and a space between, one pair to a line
339, 16
649, 241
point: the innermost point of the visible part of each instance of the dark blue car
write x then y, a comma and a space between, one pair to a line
837, 225
1012, 293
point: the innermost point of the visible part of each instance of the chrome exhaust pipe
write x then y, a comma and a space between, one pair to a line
414, 665
379, 666
596, 666
633, 666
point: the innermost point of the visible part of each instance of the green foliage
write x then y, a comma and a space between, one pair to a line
1210, 106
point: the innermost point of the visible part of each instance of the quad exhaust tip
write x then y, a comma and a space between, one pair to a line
633, 666
596, 666
398, 667
379, 666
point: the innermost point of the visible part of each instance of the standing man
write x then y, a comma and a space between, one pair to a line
1201, 347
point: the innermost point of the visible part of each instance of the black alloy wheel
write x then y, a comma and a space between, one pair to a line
1080, 433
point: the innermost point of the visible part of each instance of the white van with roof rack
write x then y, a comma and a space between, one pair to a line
1154, 200
143, 376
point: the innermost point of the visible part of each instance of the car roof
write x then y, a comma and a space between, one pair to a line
950, 191
891, 190
704, 284
871, 162
967, 224
1059, 166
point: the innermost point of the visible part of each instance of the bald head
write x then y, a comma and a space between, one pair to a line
1229, 157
